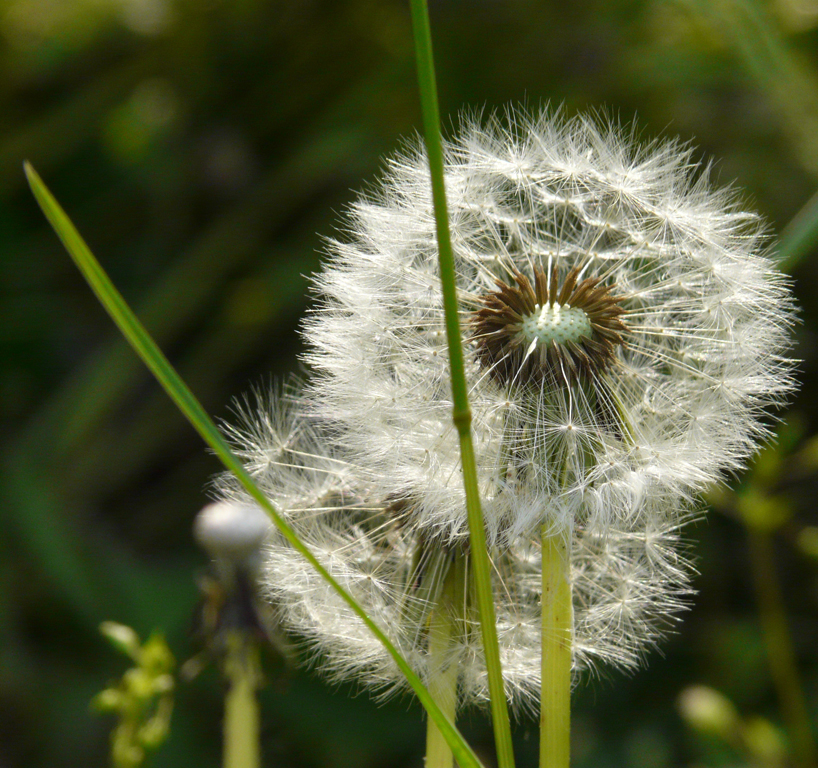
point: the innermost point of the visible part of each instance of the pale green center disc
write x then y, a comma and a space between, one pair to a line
555, 323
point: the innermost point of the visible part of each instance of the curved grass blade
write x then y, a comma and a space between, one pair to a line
178, 391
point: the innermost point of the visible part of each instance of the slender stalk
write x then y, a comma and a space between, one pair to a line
192, 409
242, 748
443, 671
461, 412
555, 694
779, 649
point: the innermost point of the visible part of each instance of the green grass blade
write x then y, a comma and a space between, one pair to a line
178, 391
462, 413
800, 236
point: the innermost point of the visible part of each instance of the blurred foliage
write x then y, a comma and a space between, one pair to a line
712, 715
143, 698
204, 147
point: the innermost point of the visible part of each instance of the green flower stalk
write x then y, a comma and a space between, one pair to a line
233, 535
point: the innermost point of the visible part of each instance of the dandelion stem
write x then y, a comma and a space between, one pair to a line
241, 714
555, 701
443, 672
461, 414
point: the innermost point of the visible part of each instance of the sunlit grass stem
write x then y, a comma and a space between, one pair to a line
184, 399
462, 413
555, 699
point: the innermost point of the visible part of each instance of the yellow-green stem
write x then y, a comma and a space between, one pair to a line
443, 668
557, 614
242, 748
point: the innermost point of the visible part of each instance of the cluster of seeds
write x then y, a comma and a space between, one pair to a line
552, 330
625, 332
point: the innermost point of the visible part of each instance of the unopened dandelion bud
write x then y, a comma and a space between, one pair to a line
232, 533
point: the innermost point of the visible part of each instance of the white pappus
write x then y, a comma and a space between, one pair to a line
625, 328
628, 584
625, 331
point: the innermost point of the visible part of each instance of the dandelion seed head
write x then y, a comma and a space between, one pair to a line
624, 330
625, 326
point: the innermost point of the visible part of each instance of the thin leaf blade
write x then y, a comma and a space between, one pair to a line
152, 356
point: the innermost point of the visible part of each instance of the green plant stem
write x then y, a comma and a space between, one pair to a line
443, 671
557, 612
184, 399
461, 412
242, 748
780, 652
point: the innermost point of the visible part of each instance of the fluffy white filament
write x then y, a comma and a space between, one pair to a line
365, 462
628, 583
708, 318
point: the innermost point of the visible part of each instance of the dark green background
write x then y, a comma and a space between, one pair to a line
204, 148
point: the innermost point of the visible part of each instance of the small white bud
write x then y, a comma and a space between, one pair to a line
123, 638
232, 533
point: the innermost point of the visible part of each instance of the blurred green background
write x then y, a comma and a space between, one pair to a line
204, 147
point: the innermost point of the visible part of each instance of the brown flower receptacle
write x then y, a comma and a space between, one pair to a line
549, 330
